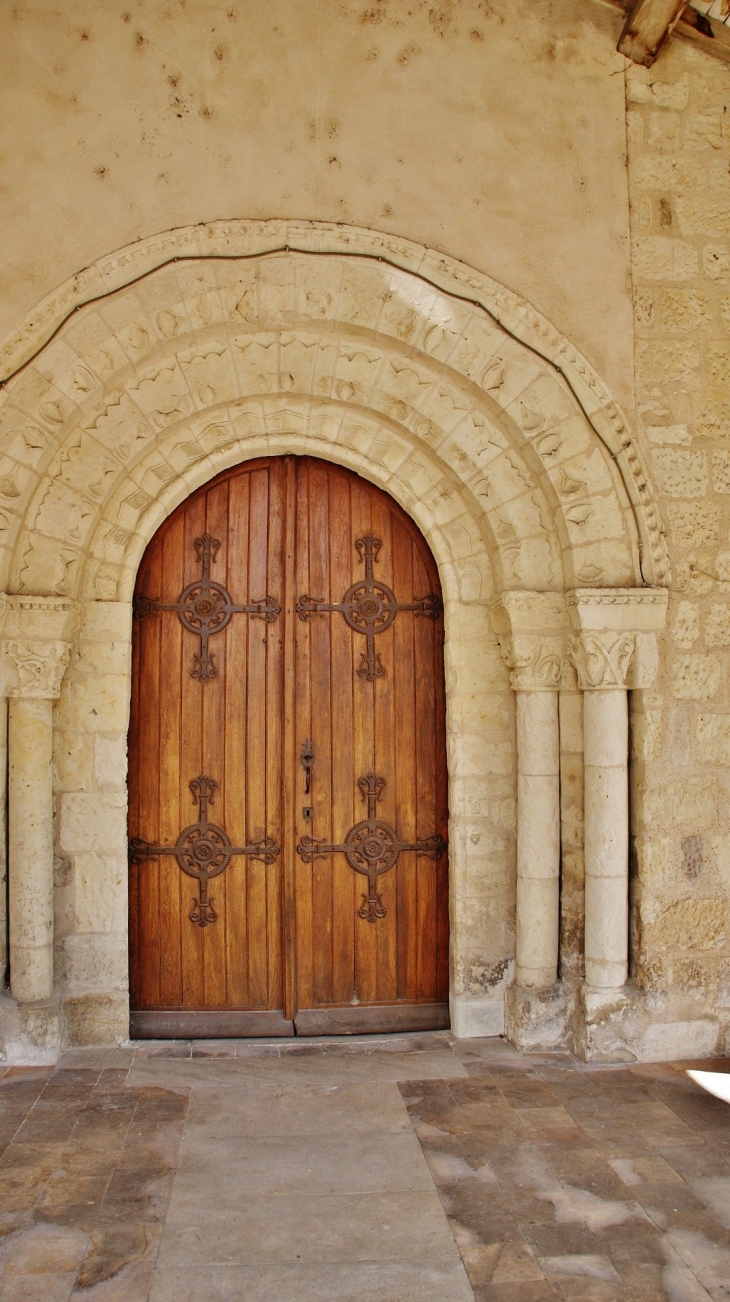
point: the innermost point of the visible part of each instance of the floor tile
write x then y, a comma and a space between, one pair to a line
47, 1249
389, 1170
392, 1281
296, 1164
271, 1230
347, 1068
37, 1288
265, 1108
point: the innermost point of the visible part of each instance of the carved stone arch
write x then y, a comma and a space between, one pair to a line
158, 365
150, 372
444, 510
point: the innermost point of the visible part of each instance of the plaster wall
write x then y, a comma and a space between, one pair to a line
494, 131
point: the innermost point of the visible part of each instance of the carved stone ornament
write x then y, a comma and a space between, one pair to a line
602, 659
39, 667
625, 610
535, 663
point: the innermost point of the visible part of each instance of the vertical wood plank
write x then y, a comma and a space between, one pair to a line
210, 702
274, 729
235, 729
321, 713
442, 793
303, 729
256, 737
133, 804
146, 959
366, 944
405, 762
193, 758
289, 791
426, 811
343, 655
384, 729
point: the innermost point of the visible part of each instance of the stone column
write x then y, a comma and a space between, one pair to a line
32, 667
614, 649
538, 838
529, 626
30, 845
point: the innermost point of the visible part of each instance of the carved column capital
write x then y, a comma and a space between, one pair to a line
530, 631
35, 646
614, 643
37, 667
602, 660
535, 663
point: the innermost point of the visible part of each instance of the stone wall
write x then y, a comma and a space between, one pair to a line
90, 868
678, 117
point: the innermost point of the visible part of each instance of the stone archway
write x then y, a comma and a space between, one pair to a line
182, 355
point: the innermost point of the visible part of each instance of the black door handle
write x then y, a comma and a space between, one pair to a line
307, 758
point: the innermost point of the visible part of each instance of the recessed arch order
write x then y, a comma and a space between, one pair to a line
150, 372
156, 368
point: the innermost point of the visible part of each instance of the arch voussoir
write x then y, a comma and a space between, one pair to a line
445, 364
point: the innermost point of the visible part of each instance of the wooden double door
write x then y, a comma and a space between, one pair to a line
287, 764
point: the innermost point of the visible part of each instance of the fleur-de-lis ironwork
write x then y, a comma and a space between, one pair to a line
370, 607
371, 847
205, 607
203, 850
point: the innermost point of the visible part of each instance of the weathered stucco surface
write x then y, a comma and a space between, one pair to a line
493, 131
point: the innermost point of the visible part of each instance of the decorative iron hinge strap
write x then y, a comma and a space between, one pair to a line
371, 847
205, 607
369, 607
203, 850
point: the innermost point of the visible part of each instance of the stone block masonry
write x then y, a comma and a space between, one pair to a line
678, 128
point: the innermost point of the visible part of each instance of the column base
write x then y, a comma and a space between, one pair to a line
31, 1035
539, 1019
473, 1019
607, 1024
621, 1026
97, 1019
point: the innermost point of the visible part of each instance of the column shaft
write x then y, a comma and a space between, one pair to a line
538, 838
606, 837
30, 843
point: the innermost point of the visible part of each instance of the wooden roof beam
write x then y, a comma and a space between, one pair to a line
647, 27
706, 33
710, 35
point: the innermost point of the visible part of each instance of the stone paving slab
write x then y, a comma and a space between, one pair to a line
301, 1164
330, 1067
265, 1108
360, 1169
389, 1281
269, 1231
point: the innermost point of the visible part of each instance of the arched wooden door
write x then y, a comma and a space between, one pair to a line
287, 763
